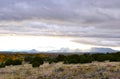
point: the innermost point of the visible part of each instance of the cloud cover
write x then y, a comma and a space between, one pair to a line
94, 22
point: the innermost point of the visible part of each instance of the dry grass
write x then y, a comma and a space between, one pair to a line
96, 70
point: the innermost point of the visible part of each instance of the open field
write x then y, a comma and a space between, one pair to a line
55, 66
95, 70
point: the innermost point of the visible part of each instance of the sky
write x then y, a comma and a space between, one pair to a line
54, 24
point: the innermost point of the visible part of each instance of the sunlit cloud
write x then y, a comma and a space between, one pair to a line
41, 43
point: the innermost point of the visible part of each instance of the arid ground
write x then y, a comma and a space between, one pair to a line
95, 70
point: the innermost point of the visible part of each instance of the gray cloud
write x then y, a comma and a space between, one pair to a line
96, 20
72, 10
111, 42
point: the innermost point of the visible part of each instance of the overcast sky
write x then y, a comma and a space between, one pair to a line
91, 23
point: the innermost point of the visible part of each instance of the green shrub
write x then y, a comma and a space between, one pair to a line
50, 60
28, 58
35, 64
59, 58
13, 62
9, 62
86, 58
2, 65
72, 59
36, 61
17, 62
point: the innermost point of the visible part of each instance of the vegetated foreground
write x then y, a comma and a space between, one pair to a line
94, 70
73, 66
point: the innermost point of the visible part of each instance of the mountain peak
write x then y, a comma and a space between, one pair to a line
102, 50
33, 51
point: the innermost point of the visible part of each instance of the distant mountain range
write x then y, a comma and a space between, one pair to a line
21, 51
32, 51
92, 50
102, 50
67, 50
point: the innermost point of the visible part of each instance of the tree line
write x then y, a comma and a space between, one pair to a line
36, 61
